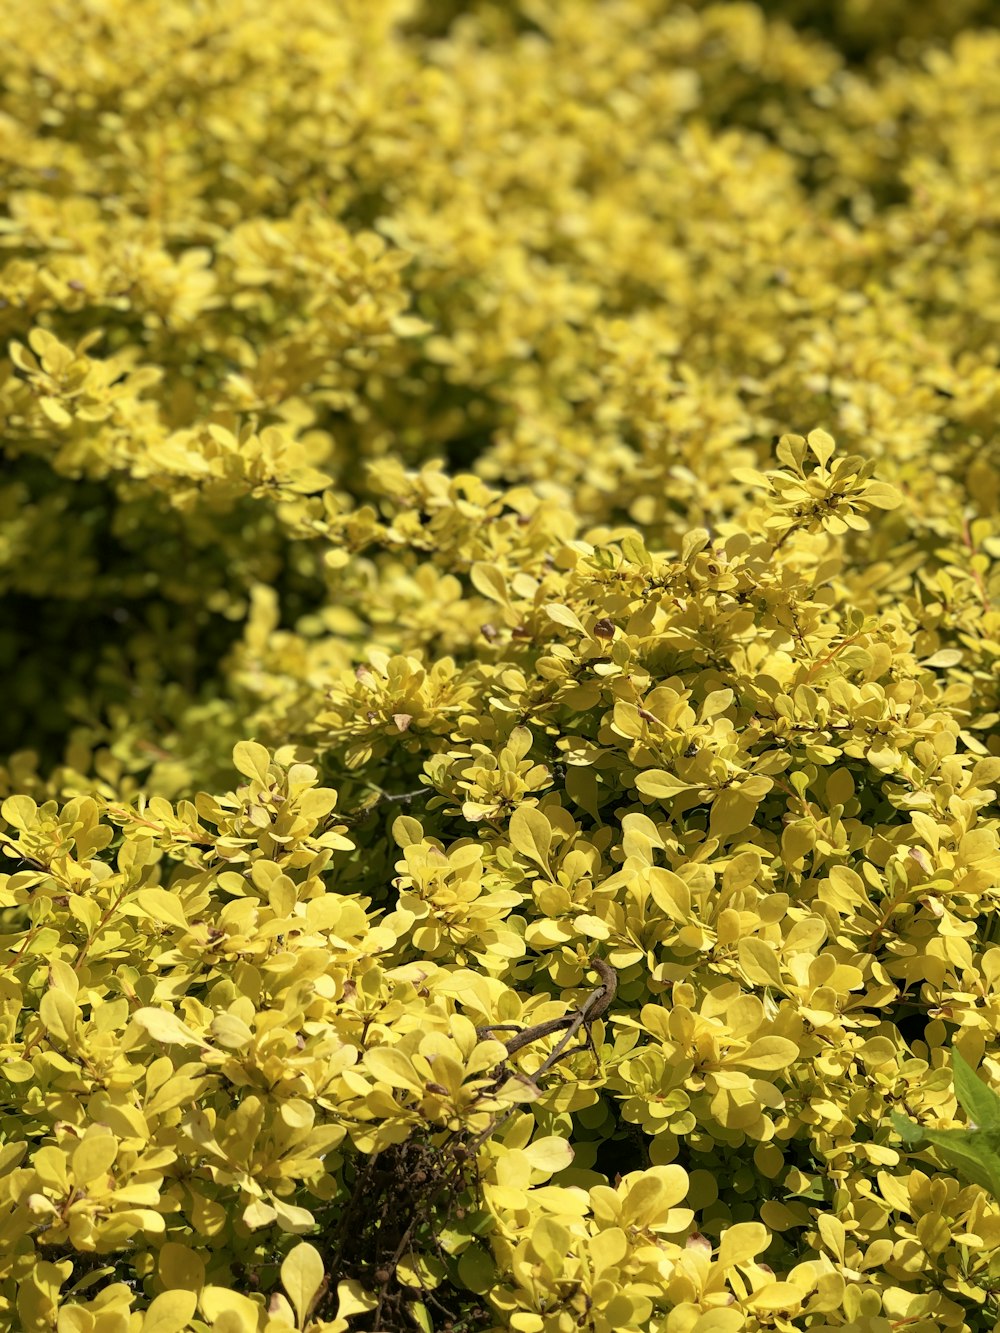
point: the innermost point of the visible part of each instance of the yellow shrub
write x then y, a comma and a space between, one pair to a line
499, 538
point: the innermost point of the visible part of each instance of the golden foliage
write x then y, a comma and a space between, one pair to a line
489, 487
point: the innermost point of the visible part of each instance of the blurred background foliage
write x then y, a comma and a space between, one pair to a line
576, 411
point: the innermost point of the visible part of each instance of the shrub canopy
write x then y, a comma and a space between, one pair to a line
488, 489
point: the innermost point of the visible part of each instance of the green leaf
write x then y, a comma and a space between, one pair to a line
979, 1102
971, 1153
908, 1130
974, 1152
476, 1269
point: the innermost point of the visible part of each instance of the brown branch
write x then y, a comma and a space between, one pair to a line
825, 661
596, 1004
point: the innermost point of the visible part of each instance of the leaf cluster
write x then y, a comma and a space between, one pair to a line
494, 498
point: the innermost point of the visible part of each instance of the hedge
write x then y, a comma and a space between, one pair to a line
499, 561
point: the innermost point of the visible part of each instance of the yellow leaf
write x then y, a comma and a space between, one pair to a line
419, 1314
392, 1067
670, 893
882, 495
162, 1025
258, 1214
50, 1163
741, 871
230, 1031
944, 657
608, 1248
656, 782
518, 1088
742, 1243
530, 834
297, 1114
55, 411
653, 1194
353, 1299
716, 703
63, 977
406, 830
564, 616
551, 1243
768, 1053
233, 1321
19, 811
759, 962
22, 358
291, 1218
316, 803
732, 811
822, 445
243, 1313
777, 1296
180, 1266
834, 1235
585, 924
523, 1321
59, 1014
75, 1319
302, 1277
720, 1321
550, 1154
252, 760
280, 1315
489, 583
170, 1312
93, 1157
161, 905
18, 1071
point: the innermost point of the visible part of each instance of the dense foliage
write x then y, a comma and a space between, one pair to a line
490, 489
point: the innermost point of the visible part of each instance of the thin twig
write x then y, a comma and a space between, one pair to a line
596, 1003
